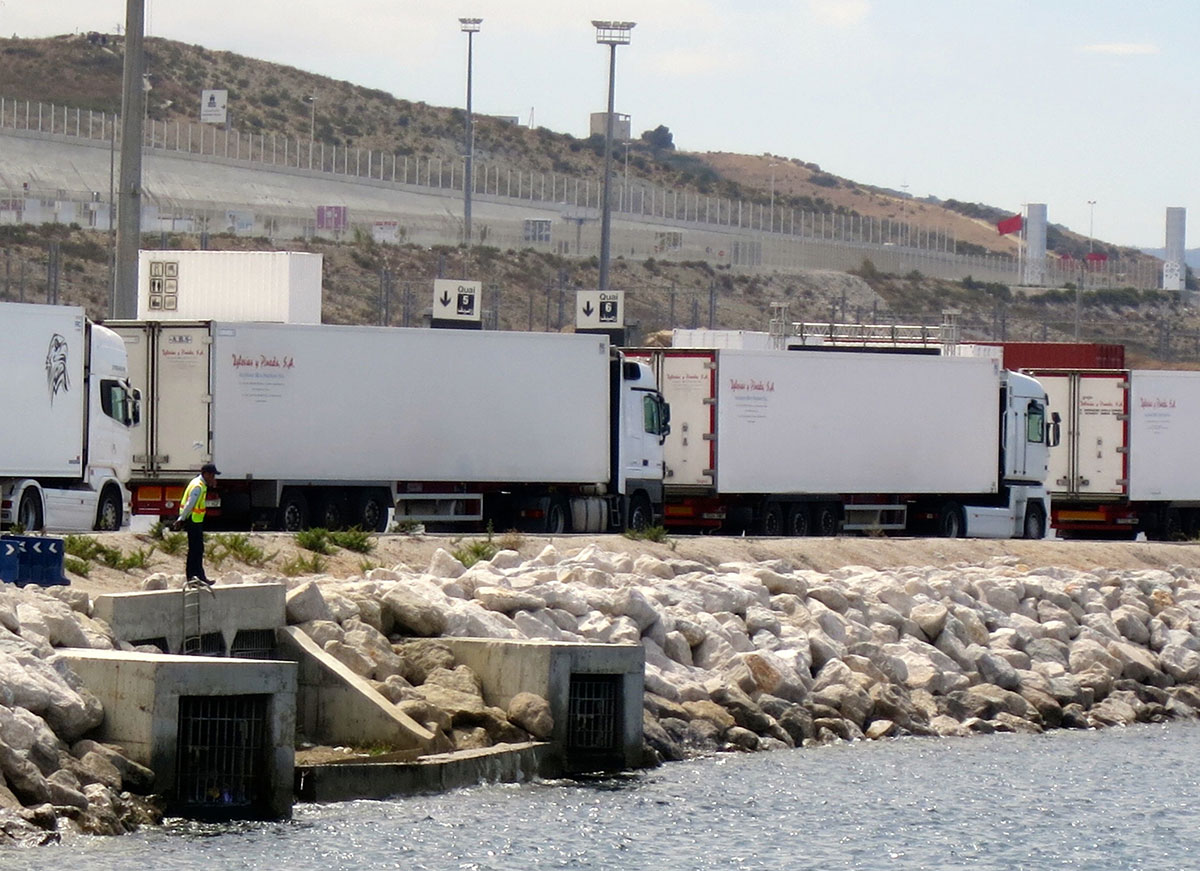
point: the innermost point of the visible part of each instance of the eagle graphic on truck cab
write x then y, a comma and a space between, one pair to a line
56, 367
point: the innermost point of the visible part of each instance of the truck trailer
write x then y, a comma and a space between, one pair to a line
331, 426
1126, 464
65, 428
807, 442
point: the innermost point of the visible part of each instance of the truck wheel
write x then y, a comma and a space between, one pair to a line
640, 516
1172, 526
329, 511
109, 511
1035, 522
950, 521
371, 510
557, 521
292, 515
29, 511
799, 524
825, 521
771, 522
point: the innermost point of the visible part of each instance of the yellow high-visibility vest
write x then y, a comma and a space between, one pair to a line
200, 508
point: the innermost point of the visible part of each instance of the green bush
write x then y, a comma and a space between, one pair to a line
353, 539
239, 546
300, 565
316, 539
76, 566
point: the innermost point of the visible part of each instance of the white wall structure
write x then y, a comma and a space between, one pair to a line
1034, 272
1174, 270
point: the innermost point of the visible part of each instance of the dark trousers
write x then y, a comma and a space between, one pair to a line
195, 554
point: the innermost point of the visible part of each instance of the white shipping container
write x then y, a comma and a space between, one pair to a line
42, 390
817, 423
344, 404
278, 286
1164, 418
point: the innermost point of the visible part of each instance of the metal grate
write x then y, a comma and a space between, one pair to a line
253, 644
208, 644
592, 712
221, 753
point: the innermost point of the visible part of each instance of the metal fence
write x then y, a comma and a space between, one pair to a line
649, 220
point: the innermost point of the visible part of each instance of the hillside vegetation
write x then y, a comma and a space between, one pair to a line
531, 290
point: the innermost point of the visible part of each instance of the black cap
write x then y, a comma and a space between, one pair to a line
209, 467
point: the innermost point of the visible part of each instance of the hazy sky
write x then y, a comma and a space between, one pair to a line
1054, 101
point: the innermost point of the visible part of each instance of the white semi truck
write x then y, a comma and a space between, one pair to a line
67, 412
806, 442
318, 425
1127, 462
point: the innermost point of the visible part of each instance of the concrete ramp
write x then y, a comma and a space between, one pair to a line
337, 706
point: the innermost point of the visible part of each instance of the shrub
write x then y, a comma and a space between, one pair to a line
353, 539
299, 565
316, 539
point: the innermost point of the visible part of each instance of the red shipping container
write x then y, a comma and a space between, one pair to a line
1060, 355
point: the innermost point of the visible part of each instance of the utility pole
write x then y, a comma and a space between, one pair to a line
129, 194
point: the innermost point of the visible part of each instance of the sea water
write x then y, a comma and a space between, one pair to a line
1122, 798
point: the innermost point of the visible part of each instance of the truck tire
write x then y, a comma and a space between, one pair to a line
1035, 522
558, 520
29, 511
825, 520
371, 510
799, 522
292, 514
950, 521
109, 511
771, 521
640, 516
329, 513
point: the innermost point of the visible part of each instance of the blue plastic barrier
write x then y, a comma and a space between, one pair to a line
39, 560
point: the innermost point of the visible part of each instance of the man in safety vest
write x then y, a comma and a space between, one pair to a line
191, 517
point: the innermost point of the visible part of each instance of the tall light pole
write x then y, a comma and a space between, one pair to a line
1091, 234
129, 190
612, 34
312, 126
626, 199
773, 165
470, 26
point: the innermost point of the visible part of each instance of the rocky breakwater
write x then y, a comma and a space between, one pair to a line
53, 778
754, 656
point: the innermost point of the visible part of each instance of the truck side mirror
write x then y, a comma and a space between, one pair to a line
664, 417
1055, 433
136, 412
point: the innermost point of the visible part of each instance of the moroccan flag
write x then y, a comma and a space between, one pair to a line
1097, 257
1010, 225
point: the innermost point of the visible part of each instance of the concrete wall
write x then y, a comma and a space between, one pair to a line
159, 613
544, 668
141, 692
510, 763
337, 706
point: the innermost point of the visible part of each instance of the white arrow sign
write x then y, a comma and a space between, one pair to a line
456, 300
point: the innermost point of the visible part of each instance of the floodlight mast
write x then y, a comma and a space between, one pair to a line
612, 34
469, 26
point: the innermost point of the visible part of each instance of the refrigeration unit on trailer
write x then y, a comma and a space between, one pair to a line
331, 426
67, 411
807, 442
1127, 459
